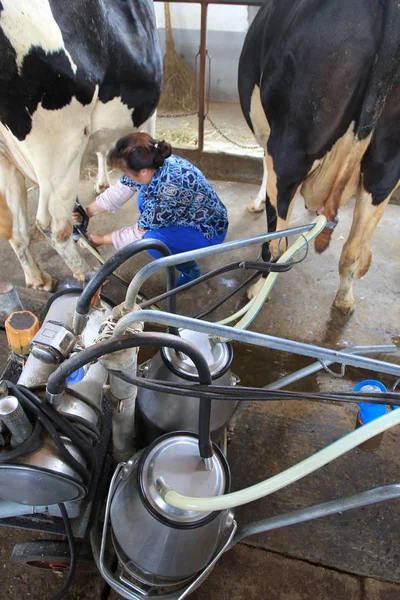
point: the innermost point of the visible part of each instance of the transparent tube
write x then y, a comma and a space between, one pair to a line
237, 314
277, 482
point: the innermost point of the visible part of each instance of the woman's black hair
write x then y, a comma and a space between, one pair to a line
138, 151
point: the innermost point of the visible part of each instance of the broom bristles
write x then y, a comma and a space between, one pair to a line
179, 89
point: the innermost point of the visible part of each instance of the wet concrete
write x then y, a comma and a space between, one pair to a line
345, 556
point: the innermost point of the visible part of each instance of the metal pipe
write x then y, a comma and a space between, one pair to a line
14, 418
123, 402
386, 492
317, 366
203, 69
257, 339
161, 263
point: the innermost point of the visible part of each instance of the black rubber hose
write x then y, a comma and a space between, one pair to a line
64, 425
269, 267
31, 444
249, 394
48, 417
72, 551
187, 286
115, 261
225, 298
56, 381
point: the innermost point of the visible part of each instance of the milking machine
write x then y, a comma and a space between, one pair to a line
134, 457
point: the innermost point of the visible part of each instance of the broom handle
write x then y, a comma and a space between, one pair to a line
169, 39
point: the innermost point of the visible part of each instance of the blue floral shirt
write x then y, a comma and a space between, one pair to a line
179, 194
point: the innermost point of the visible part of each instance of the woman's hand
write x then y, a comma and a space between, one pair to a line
76, 218
100, 240
91, 210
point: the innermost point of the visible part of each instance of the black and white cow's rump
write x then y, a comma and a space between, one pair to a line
73, 76
319, 85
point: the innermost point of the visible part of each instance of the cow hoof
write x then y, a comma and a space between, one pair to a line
255, 208
345, 305
46, 283
99, 189
254, 289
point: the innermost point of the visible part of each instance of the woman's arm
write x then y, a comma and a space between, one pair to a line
118, 238
112, 199
109, 201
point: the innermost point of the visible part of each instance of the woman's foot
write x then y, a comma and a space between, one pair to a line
189, 272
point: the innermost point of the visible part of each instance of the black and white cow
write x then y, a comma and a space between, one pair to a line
74, 75
319, 85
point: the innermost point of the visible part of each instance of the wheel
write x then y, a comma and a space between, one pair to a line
53, 555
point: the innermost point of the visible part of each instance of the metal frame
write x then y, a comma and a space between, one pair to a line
157, 265
257, 339
317, 366
203, 53
380, 494
128, 590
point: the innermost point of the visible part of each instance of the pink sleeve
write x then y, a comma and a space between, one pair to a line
115, 197
126, 235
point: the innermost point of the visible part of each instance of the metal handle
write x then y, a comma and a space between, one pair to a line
125, 588
143, 368
373, 496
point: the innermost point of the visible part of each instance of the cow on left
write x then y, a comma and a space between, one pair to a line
73, 75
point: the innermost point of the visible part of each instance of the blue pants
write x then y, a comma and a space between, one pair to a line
179, 238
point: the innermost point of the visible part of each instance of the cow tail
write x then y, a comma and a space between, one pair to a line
384, 72
6, 220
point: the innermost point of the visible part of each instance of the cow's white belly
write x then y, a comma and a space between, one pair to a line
58, 135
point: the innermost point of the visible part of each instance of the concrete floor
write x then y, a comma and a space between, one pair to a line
354, 556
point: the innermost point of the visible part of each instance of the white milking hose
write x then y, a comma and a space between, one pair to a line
277, 482
238, 314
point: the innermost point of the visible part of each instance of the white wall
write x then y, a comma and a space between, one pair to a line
226, 29
220, 18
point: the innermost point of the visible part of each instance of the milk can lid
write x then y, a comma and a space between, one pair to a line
217, 354
175, 459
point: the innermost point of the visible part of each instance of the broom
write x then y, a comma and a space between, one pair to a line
179, 89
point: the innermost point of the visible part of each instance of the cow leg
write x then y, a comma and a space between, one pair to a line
271, 215
103, 181
13, 190
259, 203
54, 218
356, 254
279, 207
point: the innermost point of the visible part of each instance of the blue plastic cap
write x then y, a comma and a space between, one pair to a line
76, 376
369, 412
